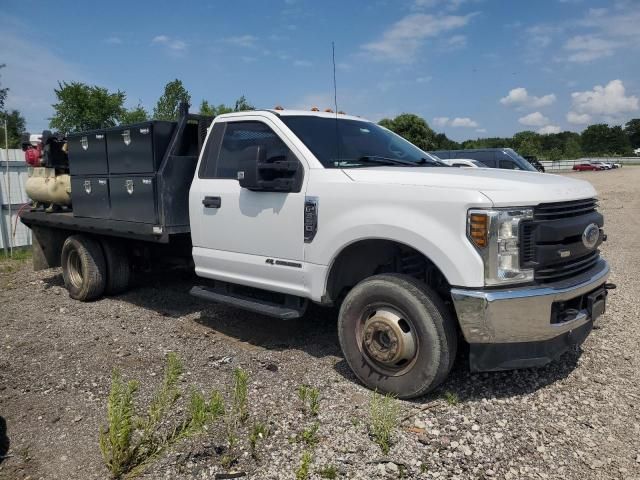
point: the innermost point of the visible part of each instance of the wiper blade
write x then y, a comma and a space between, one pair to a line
387, 160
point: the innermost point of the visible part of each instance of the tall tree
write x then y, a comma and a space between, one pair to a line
632, 129
15, 126
413, 128
243, 105
3, 92
84, 107
135, 115
168, 103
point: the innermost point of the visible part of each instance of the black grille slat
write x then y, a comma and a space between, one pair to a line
569, 269
554, 211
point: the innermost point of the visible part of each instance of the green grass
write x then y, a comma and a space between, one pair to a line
259, 432
451, 398
383, 420
328, 471
309, 436
310, 398
20, 254
129, 442
302, 472
240, 394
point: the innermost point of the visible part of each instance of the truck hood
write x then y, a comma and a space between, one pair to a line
502, 187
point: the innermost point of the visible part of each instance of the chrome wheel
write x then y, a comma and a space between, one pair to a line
388, 340
74, 269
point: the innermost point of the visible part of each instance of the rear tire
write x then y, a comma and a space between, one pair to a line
397, 335
83, 268
118, 269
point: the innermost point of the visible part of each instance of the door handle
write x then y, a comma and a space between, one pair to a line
212, 202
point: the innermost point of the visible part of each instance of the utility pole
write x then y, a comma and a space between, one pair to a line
8, 177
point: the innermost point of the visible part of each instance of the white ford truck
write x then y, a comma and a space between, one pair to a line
278, 208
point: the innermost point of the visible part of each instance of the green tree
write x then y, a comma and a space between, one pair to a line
413, 128
3, 92
207, 109
15, 127
527, 143
135, 115
594, 139
445, 143
632, 130
84, 107
168, 103
242, 105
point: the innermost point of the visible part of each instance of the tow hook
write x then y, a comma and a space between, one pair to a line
610, 286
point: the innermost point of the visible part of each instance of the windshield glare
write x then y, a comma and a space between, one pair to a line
343, 143
521, 161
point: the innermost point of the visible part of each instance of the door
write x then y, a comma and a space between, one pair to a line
253, 238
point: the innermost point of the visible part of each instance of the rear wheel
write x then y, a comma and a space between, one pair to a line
118, 268
83, 268
396, 335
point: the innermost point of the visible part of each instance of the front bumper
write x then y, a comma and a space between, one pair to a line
514, 329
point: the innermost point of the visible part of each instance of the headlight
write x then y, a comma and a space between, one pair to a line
495, 234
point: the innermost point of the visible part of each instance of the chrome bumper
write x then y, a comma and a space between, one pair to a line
522, 314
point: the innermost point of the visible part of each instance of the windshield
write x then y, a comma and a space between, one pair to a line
343, 143
521, 161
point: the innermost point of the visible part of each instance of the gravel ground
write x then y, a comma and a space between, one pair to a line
575, 419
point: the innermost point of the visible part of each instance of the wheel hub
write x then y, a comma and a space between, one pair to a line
388, 339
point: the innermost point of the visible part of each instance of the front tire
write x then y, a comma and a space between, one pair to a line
397, 335
83, 268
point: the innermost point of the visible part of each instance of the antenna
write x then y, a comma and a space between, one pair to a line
335, 99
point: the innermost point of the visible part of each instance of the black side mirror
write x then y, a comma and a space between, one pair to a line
258, 173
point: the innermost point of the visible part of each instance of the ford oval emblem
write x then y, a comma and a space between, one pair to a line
591, 235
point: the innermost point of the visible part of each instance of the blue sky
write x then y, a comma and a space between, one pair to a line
469, 67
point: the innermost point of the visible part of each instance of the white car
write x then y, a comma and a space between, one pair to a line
463, 162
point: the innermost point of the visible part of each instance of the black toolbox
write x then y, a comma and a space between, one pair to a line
90, 196
138, 148
88, 153
133, 198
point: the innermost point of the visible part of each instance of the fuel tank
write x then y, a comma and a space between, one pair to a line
44, 186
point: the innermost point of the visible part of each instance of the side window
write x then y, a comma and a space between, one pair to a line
508, 164
225, 149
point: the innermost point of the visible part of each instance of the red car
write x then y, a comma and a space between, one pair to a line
581, 167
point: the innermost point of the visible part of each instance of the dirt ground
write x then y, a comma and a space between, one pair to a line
575, 419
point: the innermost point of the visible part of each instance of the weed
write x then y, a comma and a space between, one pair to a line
451, 398
18, 255
227, 461
309, 436
302, 472
240, 394
260, 431
328, 471
128, 442
384, 413
310, 398
423, 468
115, 440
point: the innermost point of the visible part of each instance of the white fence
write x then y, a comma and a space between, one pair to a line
12, 197
566, 165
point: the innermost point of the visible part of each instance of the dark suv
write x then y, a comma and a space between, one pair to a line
492, 157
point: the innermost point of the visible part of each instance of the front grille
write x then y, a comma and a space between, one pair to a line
552, 215
555, 211
560, 271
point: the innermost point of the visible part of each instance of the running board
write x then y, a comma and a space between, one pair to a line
286, 307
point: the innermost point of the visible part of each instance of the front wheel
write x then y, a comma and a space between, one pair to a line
397, 335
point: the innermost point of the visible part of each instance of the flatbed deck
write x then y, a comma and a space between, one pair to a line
116, 228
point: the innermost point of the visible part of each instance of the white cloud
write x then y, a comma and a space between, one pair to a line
578, 119
403, 39
609, 103
174, 46
426, 79
441, 121
481, 130
247, 41
535, 119
448, 4
455, 42
30, 91
549, 129
302, 63
464, 122
585, 48
113, 40
519, 97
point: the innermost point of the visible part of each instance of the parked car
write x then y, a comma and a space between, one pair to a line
275, 209
505, 158
603, 165
587, 166
464, 162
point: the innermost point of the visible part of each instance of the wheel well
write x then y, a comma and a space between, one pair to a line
370, 257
